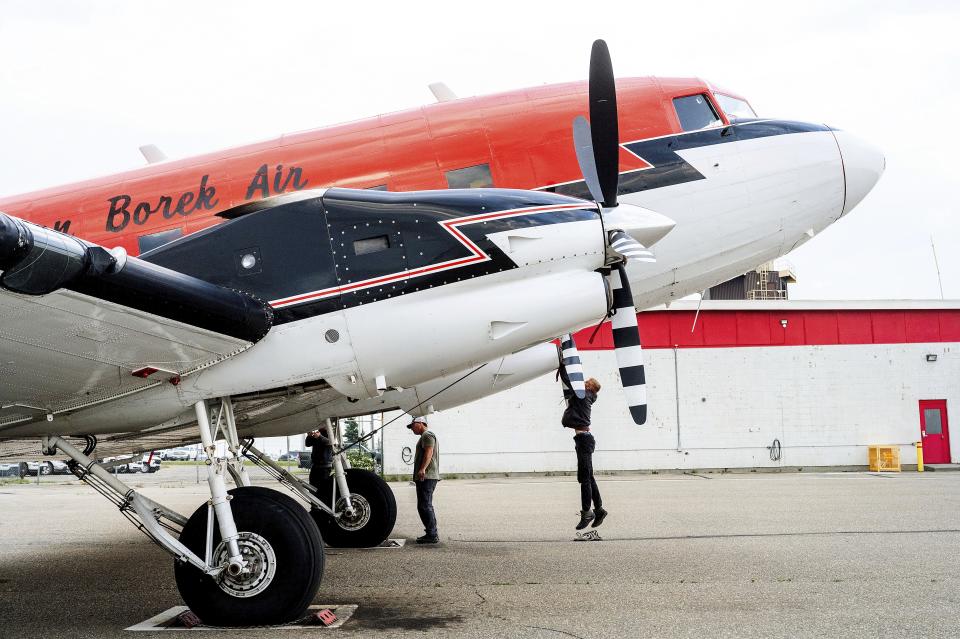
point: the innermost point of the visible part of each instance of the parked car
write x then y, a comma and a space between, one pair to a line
9, 470
151, 465
293, 455
180, 454
60, 467
305, 459
122, 464
34, 468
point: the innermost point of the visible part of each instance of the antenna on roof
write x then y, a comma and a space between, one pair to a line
442, 92
152, 154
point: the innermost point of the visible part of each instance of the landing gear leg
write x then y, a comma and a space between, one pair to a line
274, 554
250, 556
235, 463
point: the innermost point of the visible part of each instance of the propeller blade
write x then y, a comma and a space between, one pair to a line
604, 130
630, 248
626, 343
572, 365
583, 145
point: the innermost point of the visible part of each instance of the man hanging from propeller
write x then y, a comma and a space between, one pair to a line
580, 396
597, 146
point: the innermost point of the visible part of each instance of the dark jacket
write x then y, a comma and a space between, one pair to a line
322, 454
577, 414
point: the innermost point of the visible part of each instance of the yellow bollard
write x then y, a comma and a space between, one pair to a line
919, 457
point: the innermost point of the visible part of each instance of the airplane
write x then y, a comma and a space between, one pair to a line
413, 261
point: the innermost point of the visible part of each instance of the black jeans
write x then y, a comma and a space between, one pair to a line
425, 490
584, 443
321, 477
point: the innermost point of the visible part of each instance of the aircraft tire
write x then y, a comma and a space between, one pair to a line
376, 508
293, 546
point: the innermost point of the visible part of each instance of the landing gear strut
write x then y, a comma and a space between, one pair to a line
250, 556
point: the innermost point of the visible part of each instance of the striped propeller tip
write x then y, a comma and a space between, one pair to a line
630, 248
570, 360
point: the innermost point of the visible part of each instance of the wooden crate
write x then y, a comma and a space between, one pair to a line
884, 458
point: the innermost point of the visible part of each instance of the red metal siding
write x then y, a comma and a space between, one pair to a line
950, 326
820, 327
922, 326
715, 329
753, 328
889, 327
855, 327
719, 328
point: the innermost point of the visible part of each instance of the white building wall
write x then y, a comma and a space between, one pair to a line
825, 404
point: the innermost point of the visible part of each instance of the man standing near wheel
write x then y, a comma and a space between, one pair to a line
426, 474
321, 459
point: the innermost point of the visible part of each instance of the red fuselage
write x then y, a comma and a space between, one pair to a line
524, 137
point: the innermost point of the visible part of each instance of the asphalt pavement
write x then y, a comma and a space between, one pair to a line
708, 555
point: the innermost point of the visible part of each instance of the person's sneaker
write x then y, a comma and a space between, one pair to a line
427, 539
586, 516
599, 514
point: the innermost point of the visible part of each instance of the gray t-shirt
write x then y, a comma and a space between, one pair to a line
427, 439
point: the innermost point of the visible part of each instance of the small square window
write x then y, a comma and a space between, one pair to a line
471, 177
371, 245
695, 112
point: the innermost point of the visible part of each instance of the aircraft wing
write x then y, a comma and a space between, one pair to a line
66, 350
80, 325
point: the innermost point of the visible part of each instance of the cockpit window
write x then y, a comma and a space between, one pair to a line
696, 112
735, 108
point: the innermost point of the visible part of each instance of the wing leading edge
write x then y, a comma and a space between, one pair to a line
80, 325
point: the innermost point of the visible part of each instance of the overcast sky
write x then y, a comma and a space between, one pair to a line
84, 84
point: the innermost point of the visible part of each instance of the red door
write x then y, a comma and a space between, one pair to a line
934, 432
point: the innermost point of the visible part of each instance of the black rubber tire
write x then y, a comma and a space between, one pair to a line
24, 470
296, 542
383, 512
46, 468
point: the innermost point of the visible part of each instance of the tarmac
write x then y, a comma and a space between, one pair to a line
696, 555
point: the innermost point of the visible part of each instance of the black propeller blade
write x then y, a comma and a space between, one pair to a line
626, 344
597, 146
604, 128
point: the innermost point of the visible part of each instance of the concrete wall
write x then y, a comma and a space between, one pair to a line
825, 404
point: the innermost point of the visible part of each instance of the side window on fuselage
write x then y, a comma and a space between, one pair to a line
371, 245
696, 112
471, 177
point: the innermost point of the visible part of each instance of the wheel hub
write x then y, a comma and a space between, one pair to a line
360, 516
261, 565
